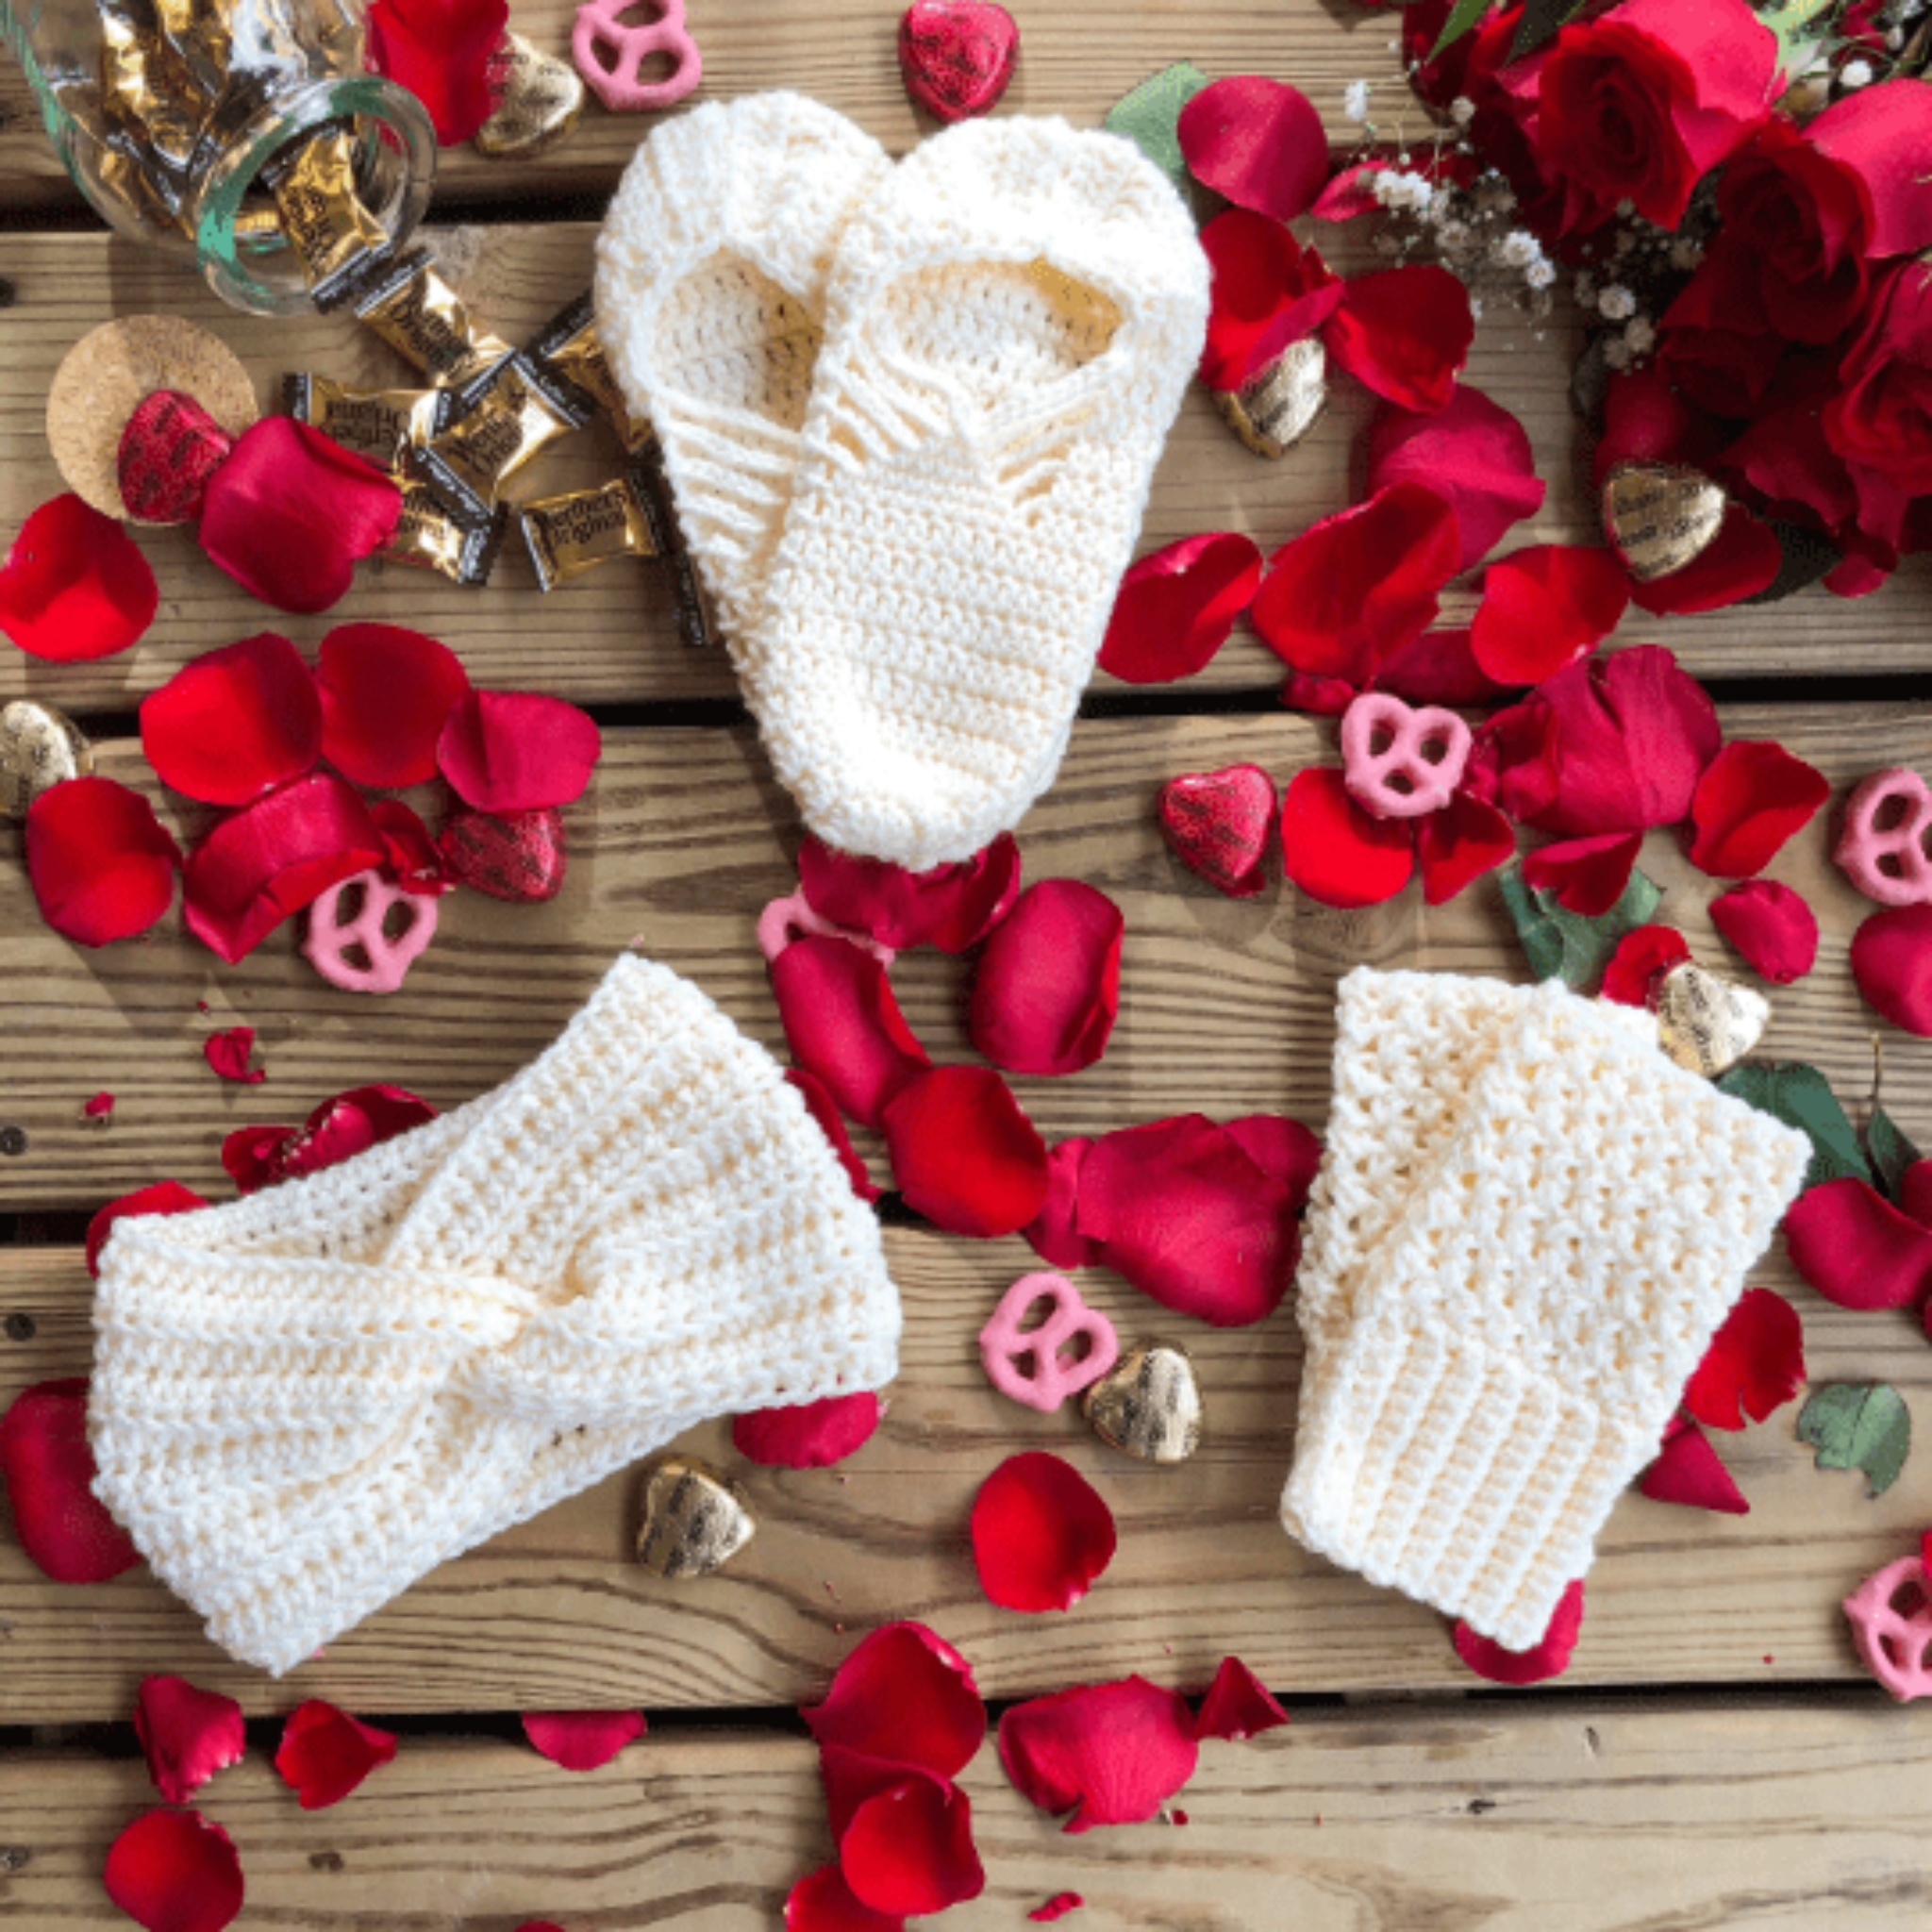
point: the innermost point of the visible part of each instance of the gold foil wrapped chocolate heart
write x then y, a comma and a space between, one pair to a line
694, 1519
1148, 1404
538, 101
1707, 1023
1659, 516
1273, 412
40, 747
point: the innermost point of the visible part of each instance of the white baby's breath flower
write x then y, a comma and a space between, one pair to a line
1855, 74
1540, 275
1354, 100
1640, 336
1616, 303
1517, 249
1617, 353
1463, 110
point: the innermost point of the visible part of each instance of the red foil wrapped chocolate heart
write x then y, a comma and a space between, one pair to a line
1220, 823
958, 55
518, 855
169, 450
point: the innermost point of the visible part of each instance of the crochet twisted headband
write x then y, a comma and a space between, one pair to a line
305, 1400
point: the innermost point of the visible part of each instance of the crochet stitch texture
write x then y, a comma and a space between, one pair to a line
1526, 1227
305, 1400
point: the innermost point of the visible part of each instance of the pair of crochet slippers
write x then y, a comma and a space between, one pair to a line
910, 416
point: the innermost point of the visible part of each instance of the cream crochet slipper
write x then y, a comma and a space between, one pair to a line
1012, 320
711, 272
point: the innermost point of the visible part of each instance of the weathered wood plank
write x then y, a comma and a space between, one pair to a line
608, 634
1591, 1819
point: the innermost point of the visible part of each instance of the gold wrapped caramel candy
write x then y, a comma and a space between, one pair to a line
414, 310
1707, 1023
379, 424
694, 1519
539, 101
1660, 517
1148, 1404
1273, 412
40, 747
335, 237
570, 534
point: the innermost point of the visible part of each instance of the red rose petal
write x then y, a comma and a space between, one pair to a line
1647, 421
337, 1131
1438, 668
228, 1053
75, 585
1041, 1534
289, 513
1549, 1658
1754, 1363
1057, 1907
100, 1107
1587, 875
904, 1695
904, 1836
1915, 1192
440, 50
1048, 984
101, 864
1257, 141
325, 1753
1265, 292
1544, 607
1189, 1216
1892, 963
1054, 1233
1740, 560
824, 1110
270, 859
1118, 1750
1856, 1248
1879, 133
1472, 452
1352, 589
1771, 926
517, 750
1405, 333
159, 1197
175, 1872
49, 1471
251, 1156
808, 1435
581, 1739
1282, 1148
1751, 798
233, 724
185, 1734
385, 695
1175, 608
413, 857
1460, 843
951, 906
1690, 1472
839, 1013
1334, 850
823, 1902
1237, 1705
963, 1152
1640, 958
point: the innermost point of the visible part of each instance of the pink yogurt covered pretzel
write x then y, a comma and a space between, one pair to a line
619, 81
1386, 756
1003, 1342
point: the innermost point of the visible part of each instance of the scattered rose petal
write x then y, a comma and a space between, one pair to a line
951, 906
839, 1013
1587, 875
1438, 668
228, 1053
1690, 1472
1237, 1705
1771, 926
233, 724
159, 1197
1282, 1148
905, 1695
1266, 291
251, 1156
1546, 607
101, 864
1892, 963
963, 1153
1405, 333
1175, 608
1048, 984
1334, 850
1257, 141
49, 1471
824, 1110
75, 585
823, 1902
1856, 1248
1041, 1534
517, 750
581, 1739
414, 859
271, 858
185, 1734
175, 1872
808, 1435
385, 695
289, 513
1549, 1658
100, 1107
1057, 1907
1118, 1750
1751, 798
905, 1837
1754, 1363
1054, 1233
1641, 956
440, 50
1460, 843
325, 1753
1740, 560
335, 1130
1472, 452
1879, 134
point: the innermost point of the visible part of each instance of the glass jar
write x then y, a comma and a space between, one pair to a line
166, 112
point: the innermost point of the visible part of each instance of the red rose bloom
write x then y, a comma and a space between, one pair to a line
1882, 416
1640, 103
1715, 340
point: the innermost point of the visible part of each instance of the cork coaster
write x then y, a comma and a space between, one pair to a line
106, 375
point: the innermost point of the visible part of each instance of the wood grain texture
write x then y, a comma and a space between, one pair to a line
1588, 1818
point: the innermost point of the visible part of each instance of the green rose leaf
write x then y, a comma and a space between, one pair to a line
1565, 945
1864, 1426
1801, 1096
1149, 114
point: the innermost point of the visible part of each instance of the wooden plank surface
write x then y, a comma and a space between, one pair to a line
1594, 1817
